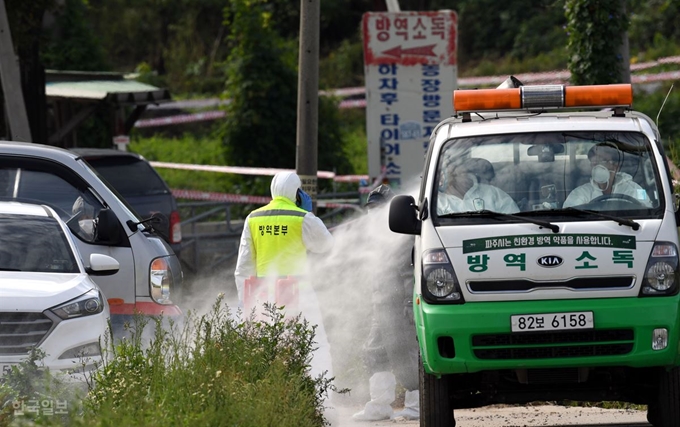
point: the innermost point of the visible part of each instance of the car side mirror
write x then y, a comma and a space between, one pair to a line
403, 216
102, 265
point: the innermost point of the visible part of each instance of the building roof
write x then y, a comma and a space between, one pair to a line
98, 86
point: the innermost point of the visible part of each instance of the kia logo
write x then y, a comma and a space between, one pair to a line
550, 261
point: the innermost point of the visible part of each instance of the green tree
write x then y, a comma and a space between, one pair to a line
260, 126
595, 29
71, 44
261, 123
653, 29
183, 41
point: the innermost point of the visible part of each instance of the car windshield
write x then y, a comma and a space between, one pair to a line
553, 175
35, 244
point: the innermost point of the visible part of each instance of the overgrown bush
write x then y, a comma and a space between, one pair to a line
213, 370
216, 369
30, 394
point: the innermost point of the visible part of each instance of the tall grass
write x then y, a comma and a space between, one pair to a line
211, 370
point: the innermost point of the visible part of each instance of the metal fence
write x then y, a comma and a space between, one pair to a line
210, 233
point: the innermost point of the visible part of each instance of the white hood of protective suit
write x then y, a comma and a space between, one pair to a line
285, 184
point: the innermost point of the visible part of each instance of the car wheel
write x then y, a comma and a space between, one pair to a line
666, 411
435, 401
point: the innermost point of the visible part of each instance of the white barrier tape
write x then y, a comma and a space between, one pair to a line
180, 118
462, 81
240, 170
241, 198
549, 77
350, 178
353, 103
345, 91
219, 197
556, 77
660, 77
652, 64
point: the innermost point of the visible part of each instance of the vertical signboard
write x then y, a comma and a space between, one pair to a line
410, 67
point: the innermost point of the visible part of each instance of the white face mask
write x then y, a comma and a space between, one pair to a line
600, 175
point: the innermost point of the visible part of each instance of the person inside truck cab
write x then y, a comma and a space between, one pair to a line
465, 187
606, 178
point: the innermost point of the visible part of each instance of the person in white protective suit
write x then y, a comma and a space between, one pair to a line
605, 161
465, 187
274, 244
391, 347
86, 222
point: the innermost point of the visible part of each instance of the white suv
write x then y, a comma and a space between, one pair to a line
47, 299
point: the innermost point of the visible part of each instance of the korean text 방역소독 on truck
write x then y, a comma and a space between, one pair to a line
545, 254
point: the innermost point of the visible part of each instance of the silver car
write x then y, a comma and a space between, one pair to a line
102, 223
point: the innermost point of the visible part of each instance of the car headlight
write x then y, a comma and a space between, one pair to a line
160, 280
439, 281
89, 303
661, 273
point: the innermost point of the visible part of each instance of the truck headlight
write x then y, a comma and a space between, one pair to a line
160, 280
89, 303
661, 274
439, 281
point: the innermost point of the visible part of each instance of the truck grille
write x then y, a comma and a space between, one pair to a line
581, 283
20, 332
540, 345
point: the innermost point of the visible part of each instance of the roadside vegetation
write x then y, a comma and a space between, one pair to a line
213, 369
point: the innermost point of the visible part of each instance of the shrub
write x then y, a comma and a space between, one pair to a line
212, 370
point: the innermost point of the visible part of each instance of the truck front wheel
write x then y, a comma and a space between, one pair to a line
435, 401
666, 411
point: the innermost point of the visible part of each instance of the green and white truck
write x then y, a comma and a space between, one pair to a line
545, 254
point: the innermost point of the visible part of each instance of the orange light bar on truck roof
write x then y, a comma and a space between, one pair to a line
543, 97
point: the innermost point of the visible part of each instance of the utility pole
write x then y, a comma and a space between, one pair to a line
15, 109
392, 5
306, 163
624, 49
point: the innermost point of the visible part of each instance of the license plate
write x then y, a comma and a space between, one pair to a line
5, 369
552, 321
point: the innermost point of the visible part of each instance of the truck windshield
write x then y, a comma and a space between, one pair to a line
546, 174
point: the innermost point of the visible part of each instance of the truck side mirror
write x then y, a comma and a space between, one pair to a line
403, 217
108, 227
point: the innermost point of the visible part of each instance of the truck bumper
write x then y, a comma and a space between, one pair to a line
474, 337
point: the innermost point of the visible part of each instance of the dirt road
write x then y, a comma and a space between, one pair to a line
515, 416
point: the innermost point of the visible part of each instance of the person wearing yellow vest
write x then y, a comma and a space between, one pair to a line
274, 244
